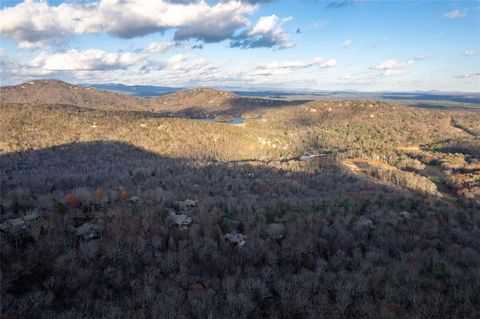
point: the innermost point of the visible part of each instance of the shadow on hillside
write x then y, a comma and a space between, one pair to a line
467, 98
255, 103
112, 164
337, 228
235, 107
445, 107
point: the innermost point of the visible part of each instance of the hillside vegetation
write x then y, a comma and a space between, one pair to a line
59, 92
207, 102
325, 209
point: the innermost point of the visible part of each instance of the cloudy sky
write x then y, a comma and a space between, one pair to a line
363, 45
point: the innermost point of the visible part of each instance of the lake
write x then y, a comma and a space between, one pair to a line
232, 120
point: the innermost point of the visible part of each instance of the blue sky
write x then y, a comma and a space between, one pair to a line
316, 45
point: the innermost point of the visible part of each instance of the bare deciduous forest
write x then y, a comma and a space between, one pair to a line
320, 209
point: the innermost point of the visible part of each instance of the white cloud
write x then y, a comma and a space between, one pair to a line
455, 14
393, 67
30, 45
123, 67
88, 60
321, 63
191, 70
34, 23
178, 61
467, 75
287, 67
134, 67
347, 43
278, 67
182, 69
470, 53
267, 32
13, 72
268, 24
158, 47
214, 24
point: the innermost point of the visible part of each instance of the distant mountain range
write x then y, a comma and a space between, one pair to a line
138, 90
205, 102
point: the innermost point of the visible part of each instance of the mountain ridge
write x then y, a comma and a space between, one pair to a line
197, 102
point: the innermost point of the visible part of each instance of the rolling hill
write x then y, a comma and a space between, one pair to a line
200, 102
59, 92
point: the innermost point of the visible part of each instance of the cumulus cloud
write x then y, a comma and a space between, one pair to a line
393, 67
267, 32
216, 24
34, 23
187, 68
470, 53
87, 60
347, 43
455, 14
13, 71
86, 66
287, 67
178, 61
158, 47
321, 63
30, 45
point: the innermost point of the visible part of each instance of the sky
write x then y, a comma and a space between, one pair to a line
362, 45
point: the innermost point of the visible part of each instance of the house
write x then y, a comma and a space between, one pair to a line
186, 204
178, 220
237, 240
31, 216
88, 231
16, 226
274, 231
134, 200
310, 156
307, 156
